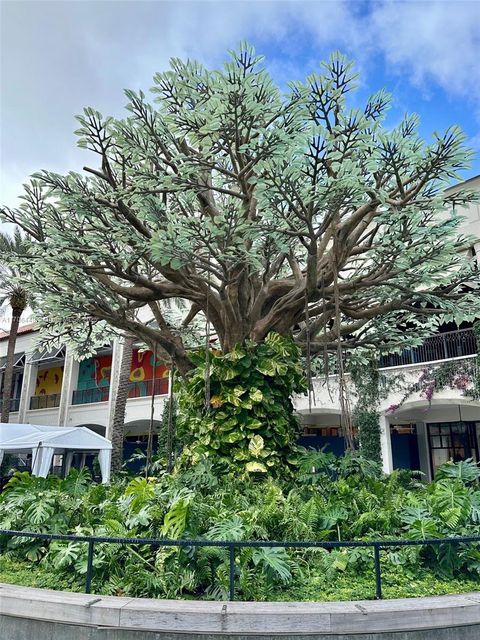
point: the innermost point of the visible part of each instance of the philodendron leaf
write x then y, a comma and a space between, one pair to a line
256, 395
255, 467
233, 436
256, 445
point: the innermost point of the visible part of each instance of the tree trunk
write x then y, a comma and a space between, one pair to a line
8, 373
120, 405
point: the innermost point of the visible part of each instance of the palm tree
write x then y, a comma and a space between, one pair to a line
15, 296
121, 389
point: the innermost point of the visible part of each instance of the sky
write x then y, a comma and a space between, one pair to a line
57, 57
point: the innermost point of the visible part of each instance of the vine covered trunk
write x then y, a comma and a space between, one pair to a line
236, 408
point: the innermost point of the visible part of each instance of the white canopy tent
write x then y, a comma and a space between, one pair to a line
44, 442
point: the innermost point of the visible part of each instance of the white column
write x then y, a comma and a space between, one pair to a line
69, 381
386, 444
28, 389
117, 353
68, 462
104, 460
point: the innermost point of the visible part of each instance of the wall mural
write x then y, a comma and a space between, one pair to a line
94, 373
143, 365
142, 371
49, 381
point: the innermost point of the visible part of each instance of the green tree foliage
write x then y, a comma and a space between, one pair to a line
251, 204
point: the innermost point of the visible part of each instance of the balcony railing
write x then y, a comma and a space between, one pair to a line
147, 387
45, 402
14, 404
135, 390
87, 396
452, 344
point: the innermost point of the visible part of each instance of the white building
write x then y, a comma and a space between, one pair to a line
54, 389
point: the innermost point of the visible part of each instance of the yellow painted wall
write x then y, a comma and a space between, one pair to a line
49, 381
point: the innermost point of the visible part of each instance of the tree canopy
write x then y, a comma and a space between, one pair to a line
296, 212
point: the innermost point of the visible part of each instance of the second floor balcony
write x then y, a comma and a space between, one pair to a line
442, 346
158, 387
49, 401
88, 396
140, 389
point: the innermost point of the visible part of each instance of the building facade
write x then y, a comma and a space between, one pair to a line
54, 389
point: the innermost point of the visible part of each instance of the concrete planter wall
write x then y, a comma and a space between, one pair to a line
41, 614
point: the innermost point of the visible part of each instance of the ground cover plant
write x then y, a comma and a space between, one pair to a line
325, 499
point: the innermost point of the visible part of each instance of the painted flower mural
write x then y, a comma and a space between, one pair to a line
95, 373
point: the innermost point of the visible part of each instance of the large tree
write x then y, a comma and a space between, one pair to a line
267, 211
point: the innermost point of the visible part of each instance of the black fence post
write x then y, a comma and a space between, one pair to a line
232, 572
88, 582
378, 572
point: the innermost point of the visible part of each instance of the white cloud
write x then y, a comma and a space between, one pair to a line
474, 142
432, 42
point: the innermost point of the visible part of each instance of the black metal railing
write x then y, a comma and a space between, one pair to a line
87, 396
232, 545
45, 402
145, 388
14, 404
452, 344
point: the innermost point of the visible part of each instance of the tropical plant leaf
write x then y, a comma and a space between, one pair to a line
274, 561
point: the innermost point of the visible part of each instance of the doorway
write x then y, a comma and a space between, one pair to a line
451, 441
404, 443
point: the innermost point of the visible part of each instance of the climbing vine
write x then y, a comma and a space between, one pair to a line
462, 375
366, 379
249, 425
368, 425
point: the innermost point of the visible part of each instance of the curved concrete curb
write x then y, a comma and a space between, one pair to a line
333, 619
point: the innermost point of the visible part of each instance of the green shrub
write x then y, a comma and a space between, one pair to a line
328, 499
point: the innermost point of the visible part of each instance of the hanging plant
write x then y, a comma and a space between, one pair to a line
461, 375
